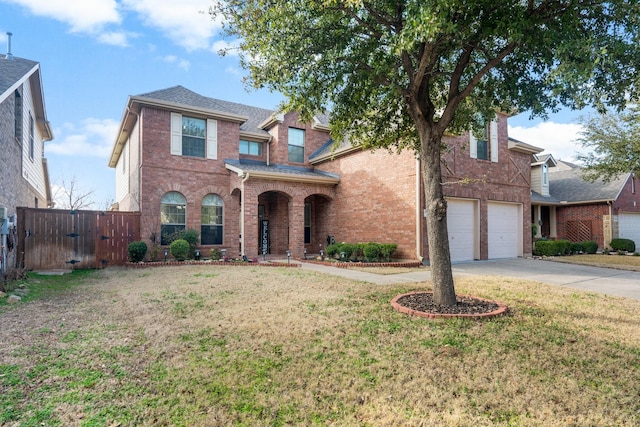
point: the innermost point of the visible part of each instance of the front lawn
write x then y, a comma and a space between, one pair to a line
624, 262
221, 345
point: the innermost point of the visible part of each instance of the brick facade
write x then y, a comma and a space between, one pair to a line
378, 196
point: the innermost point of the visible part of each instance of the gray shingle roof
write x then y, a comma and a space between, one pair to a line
182, 95
294, 171
568, 185
12, 70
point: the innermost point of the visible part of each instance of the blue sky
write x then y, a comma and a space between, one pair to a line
95, 53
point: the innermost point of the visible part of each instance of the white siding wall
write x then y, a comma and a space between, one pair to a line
32, 169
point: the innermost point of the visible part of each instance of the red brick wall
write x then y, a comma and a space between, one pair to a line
590, 213
314, 139
629, 198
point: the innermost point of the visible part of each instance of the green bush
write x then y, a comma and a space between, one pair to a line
552, 247
576, 248
179, 249
544, 248
371, 252
215, 254
387, 250
333, 250
347, 248
623, 245
137, 250
590, 247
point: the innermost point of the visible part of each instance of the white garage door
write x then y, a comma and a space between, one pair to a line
504, 230
629, 227
462, 227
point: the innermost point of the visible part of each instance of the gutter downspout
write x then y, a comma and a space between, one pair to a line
269, 149
242, 213
418, 214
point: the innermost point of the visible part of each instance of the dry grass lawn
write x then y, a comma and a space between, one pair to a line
625, 262
220, 346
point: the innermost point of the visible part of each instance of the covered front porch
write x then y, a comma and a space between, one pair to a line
283, 210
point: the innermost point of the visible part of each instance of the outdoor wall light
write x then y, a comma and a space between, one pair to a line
305, 253
288, 256
322, 254
342, 255
197, 255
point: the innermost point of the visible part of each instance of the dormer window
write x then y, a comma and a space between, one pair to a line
545, 174
251, 148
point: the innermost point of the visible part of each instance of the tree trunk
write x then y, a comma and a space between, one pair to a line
436, 206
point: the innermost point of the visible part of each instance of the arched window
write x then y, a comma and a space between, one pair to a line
211, 216
173, 215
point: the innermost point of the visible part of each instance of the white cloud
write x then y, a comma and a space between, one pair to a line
181, 63
559, 139
187, 22
235, 71
86, 16
92, 138
114, 38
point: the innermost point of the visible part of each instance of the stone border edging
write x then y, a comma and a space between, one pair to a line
212, 263
502, 309
338, 264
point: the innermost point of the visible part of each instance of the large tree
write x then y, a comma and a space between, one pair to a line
612, 141
401, 73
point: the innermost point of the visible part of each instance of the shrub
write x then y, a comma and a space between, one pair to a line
215, 254
590, 247
137, 250
534, 230
371, 252
387, 250
347, 248
623, 245
333, 250
545, 248
179, 249
552, 247
575, 248
154, 252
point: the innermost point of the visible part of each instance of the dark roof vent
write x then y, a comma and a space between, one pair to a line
9, 54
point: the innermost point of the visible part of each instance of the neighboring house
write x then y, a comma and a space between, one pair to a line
24, 177
566, 206
252, 181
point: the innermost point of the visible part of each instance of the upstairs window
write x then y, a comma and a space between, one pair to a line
173, 215
211, 220
194, 137
545, 175
296, 145
251, 147
483, 143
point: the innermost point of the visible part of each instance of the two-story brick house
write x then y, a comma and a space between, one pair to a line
24, 177
252, 180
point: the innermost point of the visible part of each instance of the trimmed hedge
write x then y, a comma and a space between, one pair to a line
137, 250
563, 247
369, 252
623, 245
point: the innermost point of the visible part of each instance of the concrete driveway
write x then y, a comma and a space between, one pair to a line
603, 280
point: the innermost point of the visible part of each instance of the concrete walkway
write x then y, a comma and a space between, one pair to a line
595, 279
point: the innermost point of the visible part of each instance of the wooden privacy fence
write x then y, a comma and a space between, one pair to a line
54, 238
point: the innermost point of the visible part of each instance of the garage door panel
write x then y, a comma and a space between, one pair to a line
504, 230
461, 226
629, 227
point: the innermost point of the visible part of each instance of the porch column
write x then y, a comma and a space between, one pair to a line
553, 230
296, 227
537, 215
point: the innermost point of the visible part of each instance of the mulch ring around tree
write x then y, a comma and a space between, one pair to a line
421, 304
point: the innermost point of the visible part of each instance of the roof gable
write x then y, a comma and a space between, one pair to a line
14, 72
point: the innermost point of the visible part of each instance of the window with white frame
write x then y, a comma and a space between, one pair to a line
173, 215
211, 229
483, 142
194, 137
296, 145
251, 147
